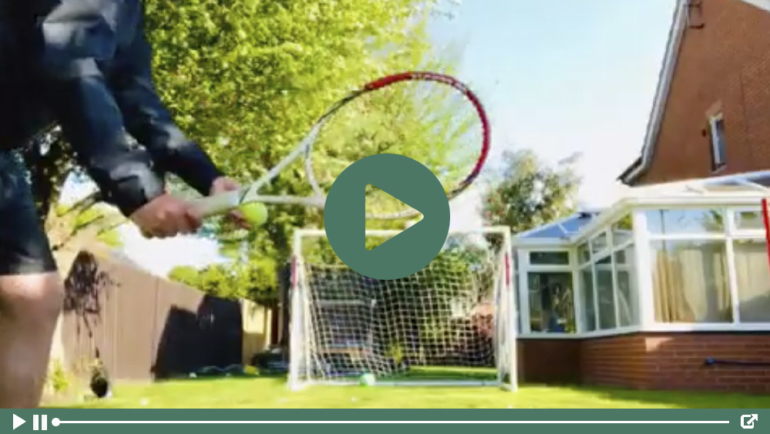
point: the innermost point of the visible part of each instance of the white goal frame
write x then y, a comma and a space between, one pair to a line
505, 326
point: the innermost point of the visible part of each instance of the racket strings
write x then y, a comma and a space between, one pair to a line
427, 121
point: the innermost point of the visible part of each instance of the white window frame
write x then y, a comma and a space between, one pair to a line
728, 236
644, 296
525, 268
718, 160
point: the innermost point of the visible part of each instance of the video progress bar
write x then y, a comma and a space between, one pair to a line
57, 422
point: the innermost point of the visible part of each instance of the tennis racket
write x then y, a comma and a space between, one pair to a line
430, 117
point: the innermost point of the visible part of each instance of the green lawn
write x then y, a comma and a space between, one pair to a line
272, 393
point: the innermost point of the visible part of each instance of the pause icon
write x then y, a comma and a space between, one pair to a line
40, 422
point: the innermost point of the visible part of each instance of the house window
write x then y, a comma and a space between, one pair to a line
622, 231
718, 150
749, 220
549, 258
551, 304
599, 243
685, 221
697, 255
753, 275
584, 254
608, 296
628, 314
605, 293
589, 311
690, 281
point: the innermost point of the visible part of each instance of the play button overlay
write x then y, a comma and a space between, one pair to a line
406, 180
17, 421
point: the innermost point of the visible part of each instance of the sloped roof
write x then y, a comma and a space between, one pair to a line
561, 229
678, 27
752, 184
744, 189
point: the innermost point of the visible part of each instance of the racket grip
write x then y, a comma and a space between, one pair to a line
218, 204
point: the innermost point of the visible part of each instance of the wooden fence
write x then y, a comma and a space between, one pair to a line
142, 327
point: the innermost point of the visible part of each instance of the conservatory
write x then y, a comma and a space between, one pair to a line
668, 288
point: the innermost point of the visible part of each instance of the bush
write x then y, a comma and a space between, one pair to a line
58, 380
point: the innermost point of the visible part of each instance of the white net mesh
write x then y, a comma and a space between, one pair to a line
449, 323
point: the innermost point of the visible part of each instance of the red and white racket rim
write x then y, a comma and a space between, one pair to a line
472, 98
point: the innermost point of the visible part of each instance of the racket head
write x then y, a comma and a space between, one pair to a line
430, 117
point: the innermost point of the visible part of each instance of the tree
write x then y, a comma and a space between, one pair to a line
250, 280
529, 193
247, 78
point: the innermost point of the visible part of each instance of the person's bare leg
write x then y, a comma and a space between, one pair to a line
29, 309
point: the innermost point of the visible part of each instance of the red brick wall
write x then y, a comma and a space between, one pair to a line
614, 361
724, 64
662, 361
549, 361
676, 361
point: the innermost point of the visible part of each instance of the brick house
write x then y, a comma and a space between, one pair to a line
670, 287
711, 113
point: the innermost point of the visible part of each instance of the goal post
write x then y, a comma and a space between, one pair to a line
453, 323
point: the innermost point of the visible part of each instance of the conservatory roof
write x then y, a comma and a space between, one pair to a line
744, 189
563, 228
753, 183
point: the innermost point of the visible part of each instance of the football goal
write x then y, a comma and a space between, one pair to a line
453, 323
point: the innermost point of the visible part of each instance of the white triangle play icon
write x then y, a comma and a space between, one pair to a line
17, 421
402, 207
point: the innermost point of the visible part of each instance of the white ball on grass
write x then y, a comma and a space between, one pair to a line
368, 380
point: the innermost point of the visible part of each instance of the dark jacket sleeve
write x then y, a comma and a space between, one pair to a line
149, 122
75, 36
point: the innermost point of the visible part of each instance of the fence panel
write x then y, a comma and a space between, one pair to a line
143, 327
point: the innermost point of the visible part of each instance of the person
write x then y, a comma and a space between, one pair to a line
86, 67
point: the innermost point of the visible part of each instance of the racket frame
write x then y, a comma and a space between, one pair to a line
223, 203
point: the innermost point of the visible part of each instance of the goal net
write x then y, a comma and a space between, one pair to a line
452, 323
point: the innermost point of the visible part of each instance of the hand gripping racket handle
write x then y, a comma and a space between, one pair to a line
217, 204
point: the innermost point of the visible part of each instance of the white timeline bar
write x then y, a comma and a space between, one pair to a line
57, 422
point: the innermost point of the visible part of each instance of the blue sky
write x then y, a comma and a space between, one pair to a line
562, 76
557, 76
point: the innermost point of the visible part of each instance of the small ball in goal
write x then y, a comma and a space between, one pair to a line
367, 380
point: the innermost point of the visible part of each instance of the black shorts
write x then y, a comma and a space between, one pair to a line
24, 246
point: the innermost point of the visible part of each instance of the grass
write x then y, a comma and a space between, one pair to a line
272, 393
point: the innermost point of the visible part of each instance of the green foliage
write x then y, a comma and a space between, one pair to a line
626, 223
254, 280
247, 78
530, 193
73, 226
58, 380
185, 275
110, 238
